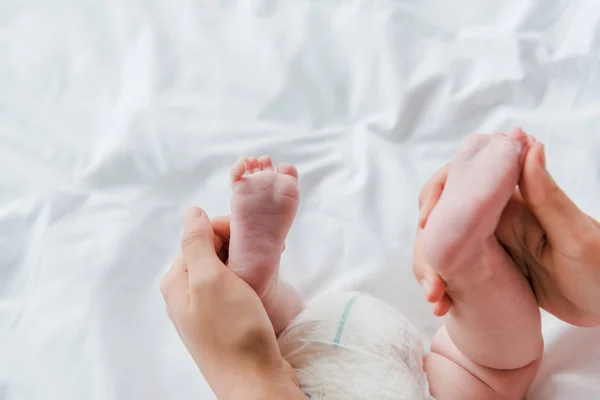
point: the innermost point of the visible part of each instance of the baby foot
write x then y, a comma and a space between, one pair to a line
263, 207
481, 180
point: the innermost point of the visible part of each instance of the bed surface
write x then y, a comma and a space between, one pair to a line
115, 116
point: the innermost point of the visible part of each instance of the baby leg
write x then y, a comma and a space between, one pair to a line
263, 207
494, 323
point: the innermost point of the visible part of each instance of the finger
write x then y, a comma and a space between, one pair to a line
431, 193
515, 218
197, 245
433, 184
441, 307
563, 222
174, 285
522, 140
432, 284
221, 230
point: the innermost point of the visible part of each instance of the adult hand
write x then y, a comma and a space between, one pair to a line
555, 244
221, 320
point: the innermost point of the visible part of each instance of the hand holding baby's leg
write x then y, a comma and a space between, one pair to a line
493, 323
556, 245
491, 300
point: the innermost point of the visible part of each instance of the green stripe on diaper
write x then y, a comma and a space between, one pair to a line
342, 323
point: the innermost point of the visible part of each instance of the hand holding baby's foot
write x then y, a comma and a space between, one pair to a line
556, 244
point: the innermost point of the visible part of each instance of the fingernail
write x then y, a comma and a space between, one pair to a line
426, 286
192, 212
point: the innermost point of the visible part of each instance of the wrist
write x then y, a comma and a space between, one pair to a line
271, 388
261, 385
256, 382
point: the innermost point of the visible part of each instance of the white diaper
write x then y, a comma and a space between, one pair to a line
353, 346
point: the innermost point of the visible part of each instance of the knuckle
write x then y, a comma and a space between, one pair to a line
193, 235
188, 238
589, 248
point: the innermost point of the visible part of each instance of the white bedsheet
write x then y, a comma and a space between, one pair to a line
115, 115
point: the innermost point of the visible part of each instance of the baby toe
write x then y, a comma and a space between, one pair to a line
287, 169
253, 164
238, 169
266, 163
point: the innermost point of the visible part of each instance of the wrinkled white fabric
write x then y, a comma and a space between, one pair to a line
351, 346
115, 115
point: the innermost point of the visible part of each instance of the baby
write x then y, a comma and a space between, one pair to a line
352, 346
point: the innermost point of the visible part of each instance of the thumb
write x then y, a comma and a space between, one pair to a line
431, 193
197, 245
432, 284
562, 221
